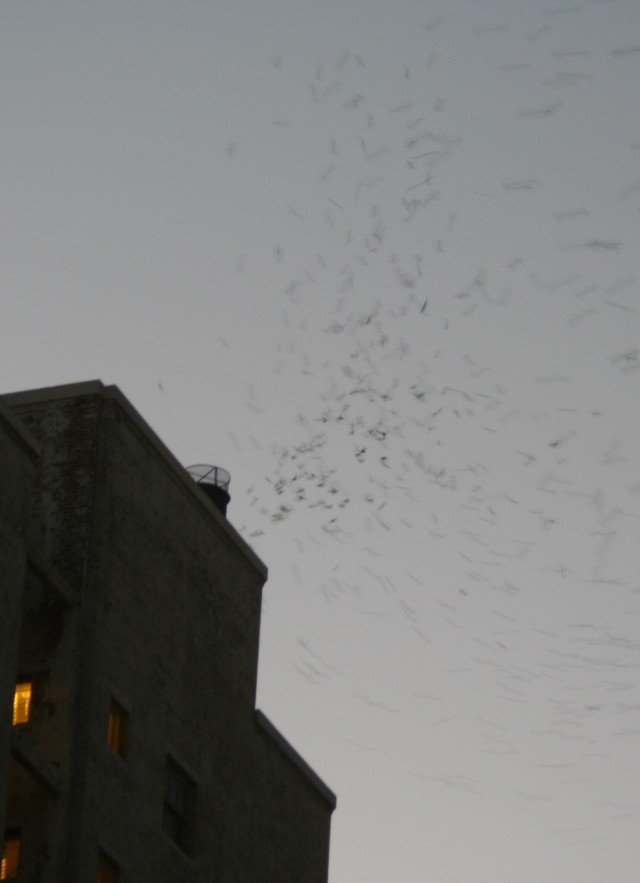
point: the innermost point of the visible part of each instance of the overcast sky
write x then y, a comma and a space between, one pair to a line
380, 261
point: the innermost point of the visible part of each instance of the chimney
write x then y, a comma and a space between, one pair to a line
214, 481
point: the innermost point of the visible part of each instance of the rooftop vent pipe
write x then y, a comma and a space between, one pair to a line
214, 481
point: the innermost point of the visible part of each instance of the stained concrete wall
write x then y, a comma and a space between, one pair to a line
57, 530
17, 461
163, 615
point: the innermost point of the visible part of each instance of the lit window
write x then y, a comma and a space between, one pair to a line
107, 871
22, 703
118, 728
10, 856
179, 802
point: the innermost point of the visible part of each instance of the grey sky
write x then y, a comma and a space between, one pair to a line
381, 262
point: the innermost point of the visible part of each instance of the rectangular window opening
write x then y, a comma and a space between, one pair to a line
118, 728
22, 703
179, 806
10, 856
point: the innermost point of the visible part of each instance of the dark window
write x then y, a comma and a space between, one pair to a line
107, 870
10, 856
118, 728
179, 804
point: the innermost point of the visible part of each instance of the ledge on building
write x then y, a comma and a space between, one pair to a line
276, 736
51, 579
34, 761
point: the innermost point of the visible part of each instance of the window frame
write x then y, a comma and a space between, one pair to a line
178, 811
108, 870
118, 728
11, 835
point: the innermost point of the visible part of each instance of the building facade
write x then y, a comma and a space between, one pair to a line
130, 745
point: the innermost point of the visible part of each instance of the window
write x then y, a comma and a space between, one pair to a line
107, 870
118, 728
179, 804
10, 856
22, 703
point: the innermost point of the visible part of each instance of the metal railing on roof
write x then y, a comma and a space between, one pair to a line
202, 473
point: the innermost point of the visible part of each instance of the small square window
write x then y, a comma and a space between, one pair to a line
10, 856
107, 870
118, 728
22, 703
179, 805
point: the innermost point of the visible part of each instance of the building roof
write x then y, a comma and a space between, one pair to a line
17, 400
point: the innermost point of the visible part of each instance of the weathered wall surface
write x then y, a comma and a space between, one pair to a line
17, 462
161, 612
290, 839
57, 530
59, 521
176, 609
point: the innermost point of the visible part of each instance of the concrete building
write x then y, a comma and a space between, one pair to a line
130, 746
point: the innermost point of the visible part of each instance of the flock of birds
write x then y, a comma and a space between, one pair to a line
405, 241
455, 466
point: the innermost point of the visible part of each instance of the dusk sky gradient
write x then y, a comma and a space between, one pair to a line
380, 261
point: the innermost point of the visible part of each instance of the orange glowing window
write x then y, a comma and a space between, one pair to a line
118, 728
22, 703
107, 871
10, 856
